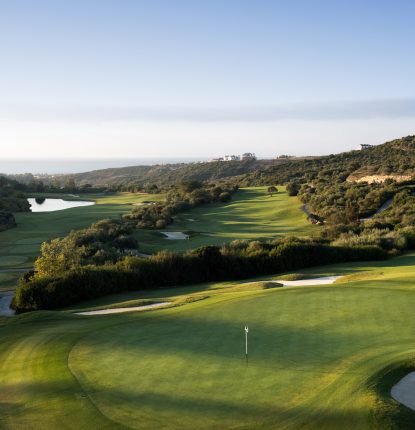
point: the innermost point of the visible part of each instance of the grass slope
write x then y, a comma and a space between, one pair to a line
317, 358
252, 214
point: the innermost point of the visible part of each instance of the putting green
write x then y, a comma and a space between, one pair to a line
317, 358
188, 367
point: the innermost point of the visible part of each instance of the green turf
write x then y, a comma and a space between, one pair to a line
252, 214
12, 260
8, 280
317, 358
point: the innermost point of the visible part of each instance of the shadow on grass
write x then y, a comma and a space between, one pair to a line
389, 412
204, 412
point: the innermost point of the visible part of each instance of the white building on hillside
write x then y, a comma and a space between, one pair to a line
248, 156
363, 146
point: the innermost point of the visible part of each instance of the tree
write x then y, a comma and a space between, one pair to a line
293, 188
58, 256
56, 183
70, 184
271, 190
189, 186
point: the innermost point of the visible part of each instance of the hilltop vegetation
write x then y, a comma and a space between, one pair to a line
395, 158
146, 178
334, 193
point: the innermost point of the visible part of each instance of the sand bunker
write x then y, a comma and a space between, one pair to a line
123, 310
175, 235
404, 391
326, 280
5, 302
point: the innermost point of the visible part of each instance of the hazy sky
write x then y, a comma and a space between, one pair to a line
120, 78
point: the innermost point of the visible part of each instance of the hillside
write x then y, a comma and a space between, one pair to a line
394, 159
167, 174
341, 189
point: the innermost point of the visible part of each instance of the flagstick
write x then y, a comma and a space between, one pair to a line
246, 343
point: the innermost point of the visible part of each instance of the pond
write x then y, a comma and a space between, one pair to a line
52, 205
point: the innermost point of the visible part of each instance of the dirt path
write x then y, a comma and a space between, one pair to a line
306, 210
404, 391
6, 298
380, 210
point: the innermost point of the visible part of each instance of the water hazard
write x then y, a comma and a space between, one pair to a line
52, 205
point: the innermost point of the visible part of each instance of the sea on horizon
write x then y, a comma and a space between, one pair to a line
67, 166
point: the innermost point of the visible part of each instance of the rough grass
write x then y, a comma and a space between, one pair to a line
319, 358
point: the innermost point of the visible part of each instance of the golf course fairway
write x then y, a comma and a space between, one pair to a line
253, 214
320, 357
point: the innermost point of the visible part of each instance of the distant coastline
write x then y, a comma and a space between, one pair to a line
51, 166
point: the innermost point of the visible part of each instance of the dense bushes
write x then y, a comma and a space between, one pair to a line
6, 220
12, 198
327, 185
293, 188
401, 213
103, 242
237, 260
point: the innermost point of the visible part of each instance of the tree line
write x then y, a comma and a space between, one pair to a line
237, 260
